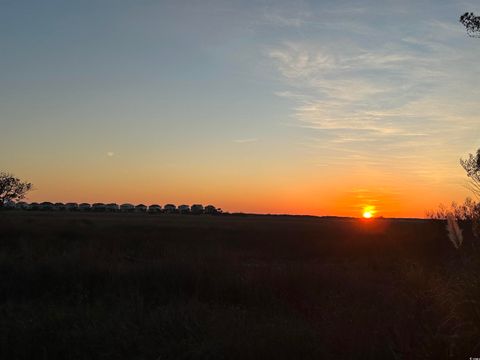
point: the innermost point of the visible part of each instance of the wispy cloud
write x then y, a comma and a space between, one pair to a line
289, 14
245, 141
278, 19
401, 101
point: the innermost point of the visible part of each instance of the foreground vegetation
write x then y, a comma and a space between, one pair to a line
114, 286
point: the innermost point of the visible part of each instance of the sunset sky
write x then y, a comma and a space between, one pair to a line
301, 107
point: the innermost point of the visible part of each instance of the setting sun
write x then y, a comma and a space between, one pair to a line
368, 212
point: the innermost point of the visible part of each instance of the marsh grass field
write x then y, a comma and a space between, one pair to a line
139, 286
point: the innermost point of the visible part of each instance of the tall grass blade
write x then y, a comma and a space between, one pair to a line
454, 231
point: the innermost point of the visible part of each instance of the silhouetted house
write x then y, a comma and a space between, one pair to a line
127, 207
210, 209
140, 208
34, 206
197, 209
170, 208
184, 209
84, 207
22, 205
98, 207
154, 208
112, 207
71, 206
47, 206
60, 206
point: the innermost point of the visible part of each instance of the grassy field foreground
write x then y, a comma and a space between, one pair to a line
138, 286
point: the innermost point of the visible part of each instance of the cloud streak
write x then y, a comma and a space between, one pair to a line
245, 141
399, 102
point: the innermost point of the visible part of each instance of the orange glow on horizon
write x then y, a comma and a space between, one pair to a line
335, 197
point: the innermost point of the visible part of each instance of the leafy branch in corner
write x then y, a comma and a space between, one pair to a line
471, 23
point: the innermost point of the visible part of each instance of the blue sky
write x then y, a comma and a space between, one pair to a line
276, 100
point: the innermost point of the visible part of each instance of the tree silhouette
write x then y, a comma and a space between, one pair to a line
471, 23
472, 166
12, 188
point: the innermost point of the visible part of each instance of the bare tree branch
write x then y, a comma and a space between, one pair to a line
12, 188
